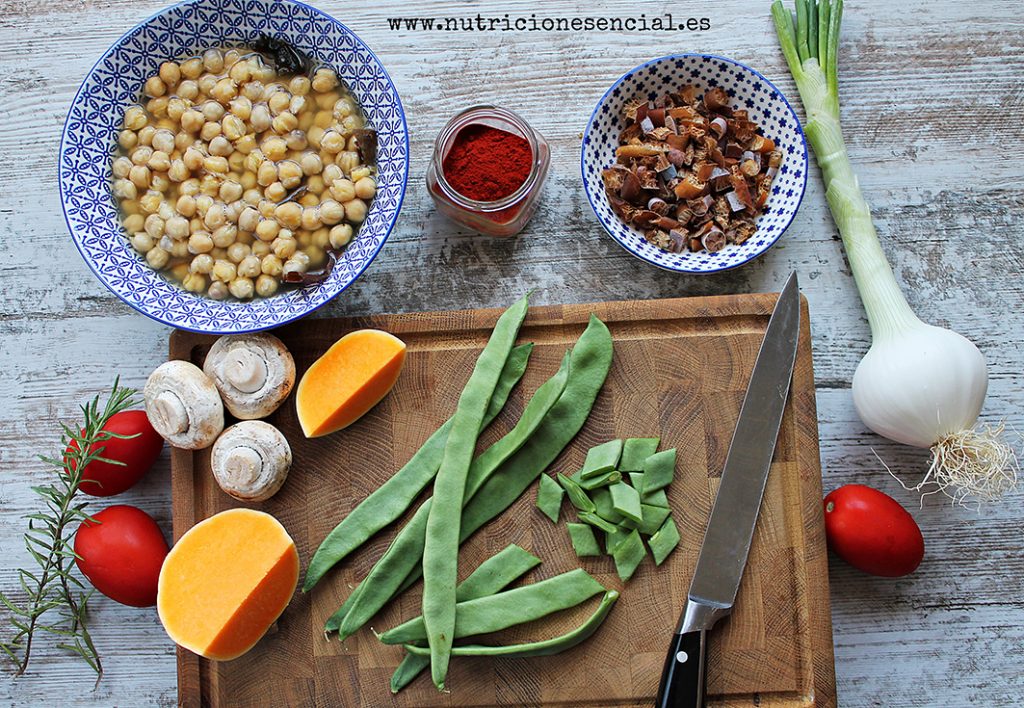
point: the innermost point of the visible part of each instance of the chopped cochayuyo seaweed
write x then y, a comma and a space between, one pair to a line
691, 172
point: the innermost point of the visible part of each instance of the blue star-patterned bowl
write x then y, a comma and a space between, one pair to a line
748, 89
115, 82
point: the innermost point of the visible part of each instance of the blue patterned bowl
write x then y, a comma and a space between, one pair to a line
115, 82
748, 89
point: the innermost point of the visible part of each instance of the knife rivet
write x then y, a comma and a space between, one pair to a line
681, 657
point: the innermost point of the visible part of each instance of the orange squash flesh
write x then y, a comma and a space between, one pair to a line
226, 581
348, 380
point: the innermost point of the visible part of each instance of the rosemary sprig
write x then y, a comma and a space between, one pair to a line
55, 601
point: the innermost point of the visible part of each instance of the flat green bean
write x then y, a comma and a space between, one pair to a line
506, 609
655, 498
491, 576
602, 480
659, 469
590, 517
635, 451
393, 498
628, 555
601, 458
549, 497
653, 518
664, 541
577, 496
583, 540
546, 647
603, 501
626, 501
441, 543
400, 565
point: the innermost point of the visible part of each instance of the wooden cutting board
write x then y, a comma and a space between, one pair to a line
679, 371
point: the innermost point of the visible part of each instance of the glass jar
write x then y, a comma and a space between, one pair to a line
503, 217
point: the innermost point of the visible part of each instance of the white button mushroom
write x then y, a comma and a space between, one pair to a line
183, 406
253, 372
250, 460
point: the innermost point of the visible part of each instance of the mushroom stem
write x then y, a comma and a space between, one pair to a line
169, 413
242, 466
246, 370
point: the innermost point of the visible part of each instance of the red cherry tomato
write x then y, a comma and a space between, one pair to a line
102, 479
122, 554
872, 532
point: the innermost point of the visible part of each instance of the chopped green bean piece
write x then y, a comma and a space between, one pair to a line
603, 501
628, 555
664, 541
583, 540
626, 501
654, 517
545, 647
493, 613
593, 519
659, 469
602, 458
635, 451
577, 496
612, 539
655, 498
601, 480
549, 497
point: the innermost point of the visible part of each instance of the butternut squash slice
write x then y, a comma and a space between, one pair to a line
226, 581
348, 380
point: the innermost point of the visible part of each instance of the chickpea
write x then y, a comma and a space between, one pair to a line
232, 127
355, 211
200, 242
213, 61
310, 218
204, 202
127, 139
159, 182
249, 219
305, 121
279, 101
252, 196
288, 214
266, 174
309, 200
343, 190
237, 252
159, 161
271, 265
260, 248
231, 57
366, 188
340, 235
359, 173
194, 283
267, 230
224, 271
321, 238
139, 175
242, 288
176, 227
266, 208
305, 238
215, 216
142, 242
351, 123
284, 123
146, 135
133, 223
154, 226
284, 248
183, 141
314, 135
206, 82
135, 118
129, 208
217, 291
179, 271
266, 286
289, 173
209, 131
333, 142
253, 90
275, 192
331, 212
121, 167
297, 105
310, 163
299, 263
150, 202
323, 119
177, 172
192, 68
348, 161
324, 80
186, 206
343, 107
224, 236
157, 258
274, 148
264, 73
187, 90
224, 90
248, 267
216, 164
221, 146
230, 191
240, 72
158, 106
189, 187
141, 154
154, 87
299, 86
202, 263
193, 158
296, 141
170, 73
315, 185
192, 121
316, 256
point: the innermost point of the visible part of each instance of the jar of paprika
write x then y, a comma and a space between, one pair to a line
488, 169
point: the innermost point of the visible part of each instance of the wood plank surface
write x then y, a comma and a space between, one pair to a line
775, 649
927, 89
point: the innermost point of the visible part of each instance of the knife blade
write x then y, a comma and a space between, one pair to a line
730, 529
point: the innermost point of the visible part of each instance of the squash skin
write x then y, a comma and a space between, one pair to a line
351, 363
224, 635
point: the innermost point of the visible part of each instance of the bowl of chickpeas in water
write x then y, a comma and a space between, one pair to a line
232, 165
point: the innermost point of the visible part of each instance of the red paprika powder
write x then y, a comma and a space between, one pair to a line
486, 164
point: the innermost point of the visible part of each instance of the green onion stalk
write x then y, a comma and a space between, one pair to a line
918, 384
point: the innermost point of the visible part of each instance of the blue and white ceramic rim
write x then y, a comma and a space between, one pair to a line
114, 82
781, 208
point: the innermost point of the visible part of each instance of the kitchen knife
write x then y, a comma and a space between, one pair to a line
723, 554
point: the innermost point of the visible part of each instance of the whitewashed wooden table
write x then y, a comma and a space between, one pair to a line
932, 94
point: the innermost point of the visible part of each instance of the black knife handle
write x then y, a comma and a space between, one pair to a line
683, 678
